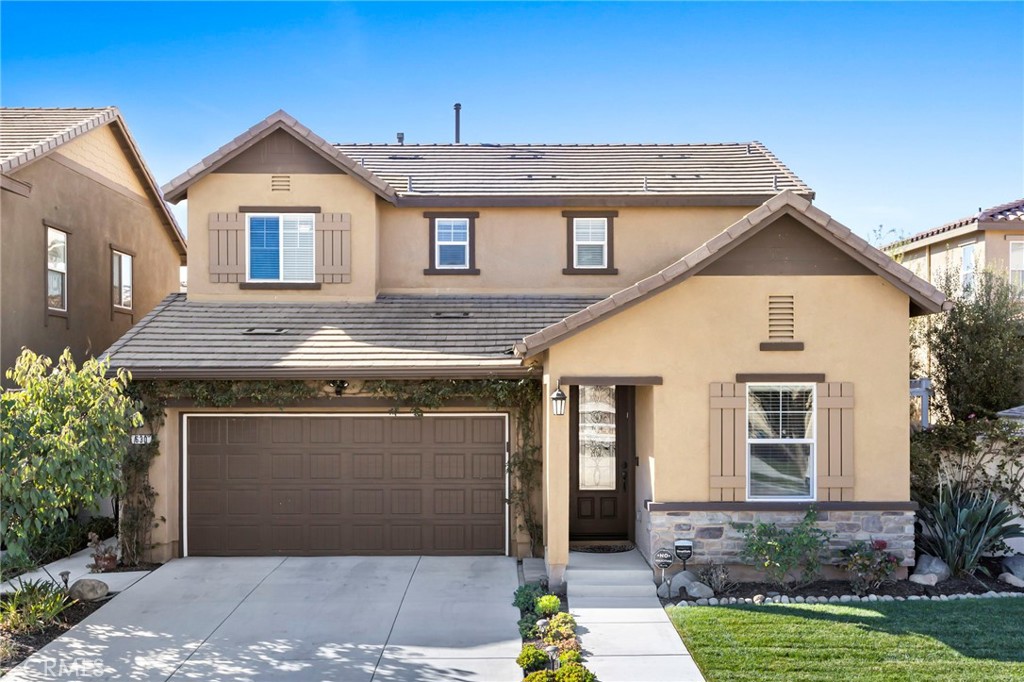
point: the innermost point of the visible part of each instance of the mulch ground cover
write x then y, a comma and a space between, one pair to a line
15, 648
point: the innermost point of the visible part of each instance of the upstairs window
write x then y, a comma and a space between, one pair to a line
590, 243
56, 269
451, 243
780, 441
967, 269
1017, 265
281, 247
121, 280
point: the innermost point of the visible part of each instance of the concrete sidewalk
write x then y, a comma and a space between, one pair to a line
340, 619
78, 566
625, 632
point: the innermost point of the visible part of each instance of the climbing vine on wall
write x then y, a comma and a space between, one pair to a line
521, 397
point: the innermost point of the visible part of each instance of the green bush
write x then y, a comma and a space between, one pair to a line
528, 626
574, 672
869, 565
564, 645
32, 607
561, 626
570, 657
547, 605
540, 676
961, 525
525, 598
790, 558
531, 658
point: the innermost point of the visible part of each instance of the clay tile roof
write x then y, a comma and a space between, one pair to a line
515, 170
1012, 211
394, 336
924, 298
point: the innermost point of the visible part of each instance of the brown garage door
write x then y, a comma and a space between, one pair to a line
326, 485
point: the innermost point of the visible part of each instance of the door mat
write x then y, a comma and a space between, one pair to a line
602, 547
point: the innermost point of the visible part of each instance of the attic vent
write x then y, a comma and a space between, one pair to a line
265, 331
450, 315
280, 183
781, 318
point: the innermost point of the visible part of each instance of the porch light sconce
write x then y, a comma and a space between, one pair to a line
558, 402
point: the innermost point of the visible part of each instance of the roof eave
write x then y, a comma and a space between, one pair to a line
584, 200
286, 373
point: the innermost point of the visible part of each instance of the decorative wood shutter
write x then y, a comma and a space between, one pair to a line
227, 247
728, 442
333, 248
835, 441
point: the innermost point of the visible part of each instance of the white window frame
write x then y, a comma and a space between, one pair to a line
64, 293
967, 257
438, 243
1019, 243
813, 441
576, 243
280, 248
119, 301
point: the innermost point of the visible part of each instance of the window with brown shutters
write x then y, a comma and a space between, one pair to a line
333, 248
227, 247
835, 441
728, 437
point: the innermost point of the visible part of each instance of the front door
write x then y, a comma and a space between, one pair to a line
601, 462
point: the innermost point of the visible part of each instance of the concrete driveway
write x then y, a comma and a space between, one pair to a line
335, 619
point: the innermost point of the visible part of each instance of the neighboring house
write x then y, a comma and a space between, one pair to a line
88, 244
729, 351
991, 238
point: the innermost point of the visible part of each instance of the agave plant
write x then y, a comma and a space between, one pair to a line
962, 525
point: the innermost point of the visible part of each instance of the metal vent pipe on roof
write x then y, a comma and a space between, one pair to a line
458, 114
401, 138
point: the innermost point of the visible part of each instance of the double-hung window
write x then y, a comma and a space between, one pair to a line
121, 280
281, 247
1017, 265
780, 441
589, 243
56, 269
451, 243
967, 269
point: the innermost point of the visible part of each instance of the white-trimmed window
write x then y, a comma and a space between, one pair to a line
1017, 265
589, 243
451, 243
780, 441
121, 279
280, 247
56, 269
967, 268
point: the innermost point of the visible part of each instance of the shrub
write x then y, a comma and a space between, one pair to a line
564, 645
961, 525
561, 626
528, 626
531, 658
540, 676
715, 576
570, 657
547, 605
574, 672
32, 607
790, 558
869, 564
525, 598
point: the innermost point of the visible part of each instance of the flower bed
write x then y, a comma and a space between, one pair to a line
551, 649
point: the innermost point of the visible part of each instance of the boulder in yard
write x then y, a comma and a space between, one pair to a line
1015, 565
924, 578
88, 589
930, 565
1011, 579
699, 590
680, 580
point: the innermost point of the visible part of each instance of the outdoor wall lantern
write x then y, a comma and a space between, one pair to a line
558, 402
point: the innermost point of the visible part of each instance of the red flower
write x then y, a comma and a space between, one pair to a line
879, 544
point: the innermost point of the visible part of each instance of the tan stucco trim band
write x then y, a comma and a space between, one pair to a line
610, 381
807, 378
780, 506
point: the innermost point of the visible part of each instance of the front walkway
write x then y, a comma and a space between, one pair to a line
77, 565
348, 619
625, 632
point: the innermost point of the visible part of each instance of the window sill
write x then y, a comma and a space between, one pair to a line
451, 271
123, 311
50, 312
590, 271
782, 345
279, 286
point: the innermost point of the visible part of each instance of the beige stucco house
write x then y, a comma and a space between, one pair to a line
87, 244
728, 351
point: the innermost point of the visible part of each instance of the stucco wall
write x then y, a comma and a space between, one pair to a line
97, 217
333, 193
100, 152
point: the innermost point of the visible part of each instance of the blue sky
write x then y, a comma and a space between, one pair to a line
906, 115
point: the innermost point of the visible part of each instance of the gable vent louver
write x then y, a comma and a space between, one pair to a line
781, 318
280, 183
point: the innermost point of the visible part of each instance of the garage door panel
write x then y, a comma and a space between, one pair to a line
346, 485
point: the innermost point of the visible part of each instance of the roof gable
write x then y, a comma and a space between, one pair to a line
279, 152
1003, 216
924, 298
279, 121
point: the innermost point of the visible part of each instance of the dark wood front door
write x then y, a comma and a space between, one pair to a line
601, 462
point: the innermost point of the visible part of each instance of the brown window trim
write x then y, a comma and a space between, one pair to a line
570, 246
782, 345
279, 286
432, 217
800, 378
114, 308
279, 209
49, 312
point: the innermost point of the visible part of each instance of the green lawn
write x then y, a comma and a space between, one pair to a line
978, 640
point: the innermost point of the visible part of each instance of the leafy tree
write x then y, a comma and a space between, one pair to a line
63, 436
977, 348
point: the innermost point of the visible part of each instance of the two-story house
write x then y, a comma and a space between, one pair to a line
991, 238
87, 244
727, 350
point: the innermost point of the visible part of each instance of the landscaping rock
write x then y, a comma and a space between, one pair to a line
846, 598
88, 589
699, 590
758, 599
929, 565
924, 579
683, 602
833, 599
680, 580
712, 602
702, 602
1015, 565
799, 600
